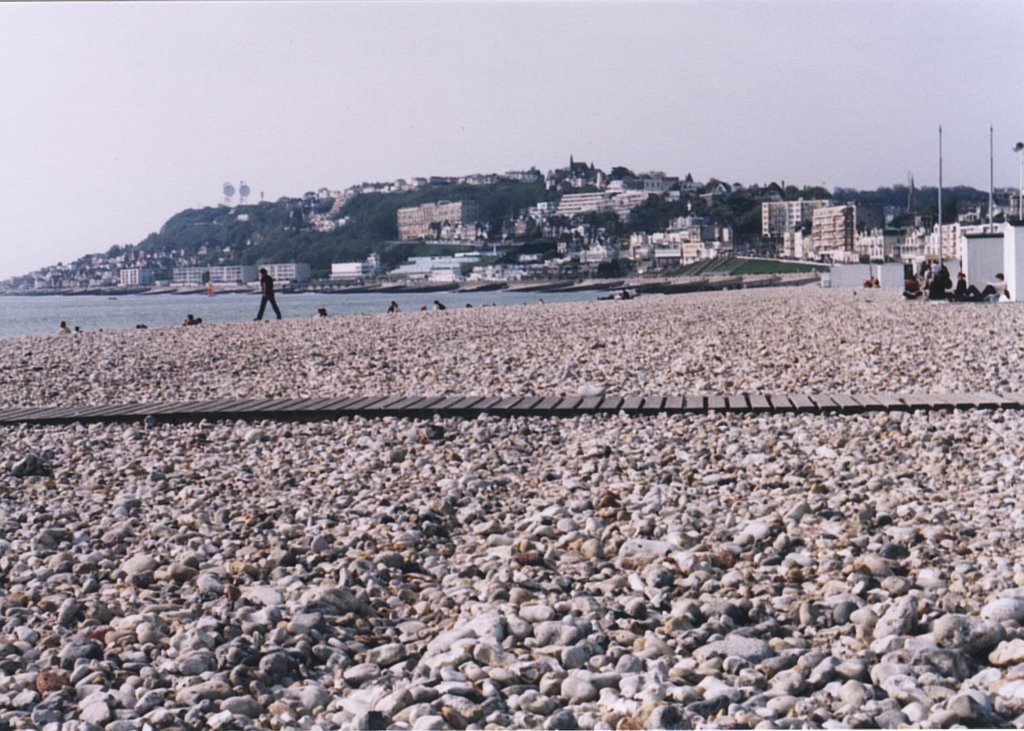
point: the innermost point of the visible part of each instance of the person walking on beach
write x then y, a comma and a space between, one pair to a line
267, 288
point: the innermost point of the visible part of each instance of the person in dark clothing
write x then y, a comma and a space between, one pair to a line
940, 284
267, 287
912, 288
993, 292
963, 293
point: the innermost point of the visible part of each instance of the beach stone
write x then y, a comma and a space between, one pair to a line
139, 564
751, 649
1003, 609
196, 663
563, 720
148, 633
644, 549
242, 705
332, 600
967, 634
898, 619
95, 710
667, 716
578, 690
51, 679
209, 584
79, 649
309, 697
265, 595
361, 673
214, 689
1008, 652
384, 655
30, 465
253, 435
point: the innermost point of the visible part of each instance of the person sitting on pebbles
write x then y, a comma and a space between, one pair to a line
190, 320
912, 288
64, 329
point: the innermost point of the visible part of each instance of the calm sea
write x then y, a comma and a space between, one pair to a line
41, 315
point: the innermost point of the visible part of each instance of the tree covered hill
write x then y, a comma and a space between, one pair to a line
286, 230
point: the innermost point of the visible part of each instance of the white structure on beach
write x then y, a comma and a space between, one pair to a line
983, 258
1013, 260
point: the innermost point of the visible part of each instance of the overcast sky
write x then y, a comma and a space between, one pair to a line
115, 116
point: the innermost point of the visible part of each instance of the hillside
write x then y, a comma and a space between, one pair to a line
286, 230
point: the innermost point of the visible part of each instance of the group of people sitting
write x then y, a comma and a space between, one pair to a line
937, 284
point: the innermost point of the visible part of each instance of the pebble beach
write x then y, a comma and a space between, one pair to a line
598, 572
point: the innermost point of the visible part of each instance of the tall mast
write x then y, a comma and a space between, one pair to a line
991, 180
938, 231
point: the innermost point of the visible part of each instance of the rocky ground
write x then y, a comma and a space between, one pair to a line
771, 571
787, 339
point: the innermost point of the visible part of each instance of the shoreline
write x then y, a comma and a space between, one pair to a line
659, 285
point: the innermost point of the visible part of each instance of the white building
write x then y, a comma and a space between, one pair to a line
832, 232
880, 244
619, 203
946, 247
349, 270
434, 268
573, 204
288, 272
542, 211
234, 274
669, 248
779, 217
189, 276
599, 254
136, 277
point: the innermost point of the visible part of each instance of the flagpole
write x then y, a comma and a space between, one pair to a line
938, 231
991, 180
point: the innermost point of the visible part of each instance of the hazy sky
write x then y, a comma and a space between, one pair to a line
115, 116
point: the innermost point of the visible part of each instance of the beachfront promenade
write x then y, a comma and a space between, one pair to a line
426, 407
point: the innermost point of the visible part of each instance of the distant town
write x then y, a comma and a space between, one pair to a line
584, 223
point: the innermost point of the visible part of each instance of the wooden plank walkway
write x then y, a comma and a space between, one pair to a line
318, 408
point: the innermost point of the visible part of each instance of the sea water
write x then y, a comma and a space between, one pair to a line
41, 315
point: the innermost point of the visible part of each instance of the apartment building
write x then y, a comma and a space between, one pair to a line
833, 229
619, 203
778, 217
354, 269
880, 244
189, 276
664, 249
287, 272
573, 204
416, 223
234, 274
136, 277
